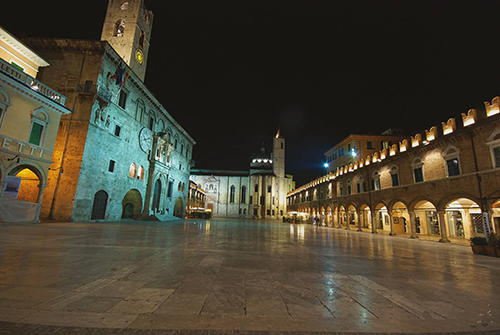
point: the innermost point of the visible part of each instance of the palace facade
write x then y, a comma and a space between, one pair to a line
120, 154
442, 182
259, 192
29, 119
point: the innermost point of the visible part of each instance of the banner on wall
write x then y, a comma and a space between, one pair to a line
11, 188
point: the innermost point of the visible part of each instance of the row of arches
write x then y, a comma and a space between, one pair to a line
132, 204
459, 216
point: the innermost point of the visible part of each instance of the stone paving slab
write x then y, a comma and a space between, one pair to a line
239, 277
33, 329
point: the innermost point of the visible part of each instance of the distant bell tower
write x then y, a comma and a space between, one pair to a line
279, 155
127, 28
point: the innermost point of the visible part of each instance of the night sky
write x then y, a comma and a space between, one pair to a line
231, 72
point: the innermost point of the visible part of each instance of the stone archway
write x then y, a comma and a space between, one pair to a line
132, 204
31, 182
178, 208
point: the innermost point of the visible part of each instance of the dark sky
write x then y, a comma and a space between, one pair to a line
231, 72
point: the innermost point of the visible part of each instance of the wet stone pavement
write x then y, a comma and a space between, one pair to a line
238, 277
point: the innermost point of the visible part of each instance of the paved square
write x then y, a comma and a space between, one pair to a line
241, 275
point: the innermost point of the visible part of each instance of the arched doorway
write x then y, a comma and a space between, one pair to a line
132, 204
426, 218
382, 217
400, 218
31, 181
99, 205
178, 208
464, 218
365, 217
352, 215
156, 196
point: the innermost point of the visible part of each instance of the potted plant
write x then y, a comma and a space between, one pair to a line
492, 244
478, 245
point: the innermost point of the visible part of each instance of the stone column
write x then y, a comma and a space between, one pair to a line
391, 223
360, 217
347, 220
442, 228
413, 225
374, 227
150, 184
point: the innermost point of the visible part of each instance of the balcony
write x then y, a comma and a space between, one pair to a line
31, 82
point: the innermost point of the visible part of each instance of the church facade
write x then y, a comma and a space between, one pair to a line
121, 154
258, 193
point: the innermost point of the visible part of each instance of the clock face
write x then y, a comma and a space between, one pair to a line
139, 57
145, 139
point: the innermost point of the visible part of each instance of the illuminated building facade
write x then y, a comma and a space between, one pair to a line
29, 119
443, 182
257, 193
355, 145
121, 154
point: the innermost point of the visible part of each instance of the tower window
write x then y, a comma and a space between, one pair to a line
118, 130
124, 6
119, 28
142, 37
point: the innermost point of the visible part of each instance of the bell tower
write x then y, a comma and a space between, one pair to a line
279, 155
127, 28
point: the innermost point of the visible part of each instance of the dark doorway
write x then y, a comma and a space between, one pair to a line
128, 211
156, 196
99, 206
178, 208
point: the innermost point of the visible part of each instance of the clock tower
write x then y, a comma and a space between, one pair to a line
127, 28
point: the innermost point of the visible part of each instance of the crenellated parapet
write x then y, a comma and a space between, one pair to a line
414, 142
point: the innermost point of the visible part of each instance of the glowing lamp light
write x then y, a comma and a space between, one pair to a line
34, 87
353, 153
326, 165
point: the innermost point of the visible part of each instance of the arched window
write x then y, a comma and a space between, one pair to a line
349, 186
179, 186
119, 28
361, 184
140, 110
395, 175
243, 194
132, 172
39, 121
494, 145
183, 185
376, 181
451, 155
4, 104
140, 173
124, 5
418, 170
232, 194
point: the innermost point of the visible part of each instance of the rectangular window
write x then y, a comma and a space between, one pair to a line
348, 189
123, 99
256, 187
369, 144
418, 173
151, 123
349, 147
269, 189
453, 168
169, 191
251, 200
36, 133
111, 167
341, 152
496, 153
118, 130
395, 179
